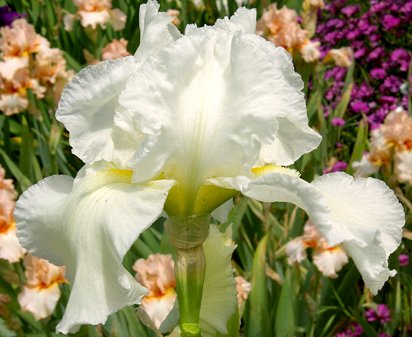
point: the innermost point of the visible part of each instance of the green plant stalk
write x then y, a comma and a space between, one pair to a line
187, 234
190, 272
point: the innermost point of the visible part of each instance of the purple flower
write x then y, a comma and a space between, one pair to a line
387, 99
378, 73
339, 145
376, 53
337, 167
391, 84
359, 53
359, 106
357, 330
403, 260
401, 58
382, 314
350, 10
337, 121
389, 21
354, 331
379, 6
407, 8
7, 16
353, 34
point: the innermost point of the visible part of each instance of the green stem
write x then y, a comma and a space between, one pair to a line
187, 235
190, 274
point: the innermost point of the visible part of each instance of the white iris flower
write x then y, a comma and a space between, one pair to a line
181, 126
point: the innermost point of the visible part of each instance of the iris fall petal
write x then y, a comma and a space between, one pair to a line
88, 224
362, 214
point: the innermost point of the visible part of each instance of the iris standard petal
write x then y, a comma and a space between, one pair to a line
89, 103
208, 102
363, 214
156, 30
88, 224
87, 108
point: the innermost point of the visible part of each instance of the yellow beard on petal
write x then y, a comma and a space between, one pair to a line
270, 168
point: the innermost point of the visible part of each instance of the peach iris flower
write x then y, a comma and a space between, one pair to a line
328, 259
93, 13
41, 291
391, 142
10, 248
115, 49
156, 273
282, 28
28, 62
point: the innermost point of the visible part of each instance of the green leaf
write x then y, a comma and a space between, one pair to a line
257, 323
23, 181
285, 316
344, 102
359, 147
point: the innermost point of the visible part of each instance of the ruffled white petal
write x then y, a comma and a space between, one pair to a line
99, 128
219, 298
88, 224
87, 108
243, 20
363, 214
215, 97
294, 136
156, 30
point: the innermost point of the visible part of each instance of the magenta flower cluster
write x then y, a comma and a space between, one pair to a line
379, 37
381, 314
355, 330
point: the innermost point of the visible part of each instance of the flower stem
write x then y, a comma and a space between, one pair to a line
187, 235
190, 274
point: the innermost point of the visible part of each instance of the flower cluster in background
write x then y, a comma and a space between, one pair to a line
28, 63
391, 144
93, 13
156, 273
10, 248
282, 27
41, 291
329, 260
378, 38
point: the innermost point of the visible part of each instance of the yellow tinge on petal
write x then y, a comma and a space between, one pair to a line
207, 199
270, 168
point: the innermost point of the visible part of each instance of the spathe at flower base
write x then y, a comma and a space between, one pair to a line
182, 126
